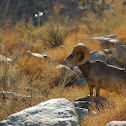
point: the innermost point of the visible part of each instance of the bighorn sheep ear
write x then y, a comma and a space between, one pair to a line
84, 49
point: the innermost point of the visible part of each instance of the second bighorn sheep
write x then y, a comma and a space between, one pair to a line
97, 73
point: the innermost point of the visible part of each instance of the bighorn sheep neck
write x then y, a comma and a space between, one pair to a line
97, 73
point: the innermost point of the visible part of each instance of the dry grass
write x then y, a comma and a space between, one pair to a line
79, 33
10, 43
57, 53
39, 79
105, 116
121, 31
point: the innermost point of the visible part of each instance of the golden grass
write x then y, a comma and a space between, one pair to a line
10, 43
42, 78
105, 116
57, 53
80, 34
121, 31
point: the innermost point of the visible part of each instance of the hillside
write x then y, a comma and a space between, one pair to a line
13, 10
30, 55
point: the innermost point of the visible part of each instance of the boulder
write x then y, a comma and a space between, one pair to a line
72, 75
82, 104
116, 123
118, 57
85, 102
77, 71
121, 52
97, 55
81, 81
64, 70
54, 112
83, 113
87, 98
113, 61
108, 41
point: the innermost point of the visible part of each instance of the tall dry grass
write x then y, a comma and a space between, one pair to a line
109, 21
80, 33
39, 78
121, 31
105, 116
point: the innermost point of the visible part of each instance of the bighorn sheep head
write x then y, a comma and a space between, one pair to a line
80, 55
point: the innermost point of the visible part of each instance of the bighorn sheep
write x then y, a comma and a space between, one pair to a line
97, 73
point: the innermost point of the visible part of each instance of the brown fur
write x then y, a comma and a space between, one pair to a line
99, 75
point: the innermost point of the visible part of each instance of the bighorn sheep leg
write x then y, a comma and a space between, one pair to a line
97, 88
91, 93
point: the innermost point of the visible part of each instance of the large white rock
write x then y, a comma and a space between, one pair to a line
54, 112
116, 123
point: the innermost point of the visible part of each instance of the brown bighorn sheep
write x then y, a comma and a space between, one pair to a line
97, 73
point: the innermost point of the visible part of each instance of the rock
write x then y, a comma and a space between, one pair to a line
85, 102
72, 75
87, 98
116, 123
77, 71
118, 57
112, 36
97, 55
40, 55
4, 59
112, 61
81, 81
121, 52
123, 2
7, 95
64, 69
54, 112
9, 81
82, 104
108, 41
69, 75
107, 51
82, 113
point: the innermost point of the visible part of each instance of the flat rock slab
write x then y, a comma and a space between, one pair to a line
54, 112
116, 123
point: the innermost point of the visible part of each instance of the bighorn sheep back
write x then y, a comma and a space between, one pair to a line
97, 73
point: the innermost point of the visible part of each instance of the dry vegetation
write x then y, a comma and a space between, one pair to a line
39, 79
